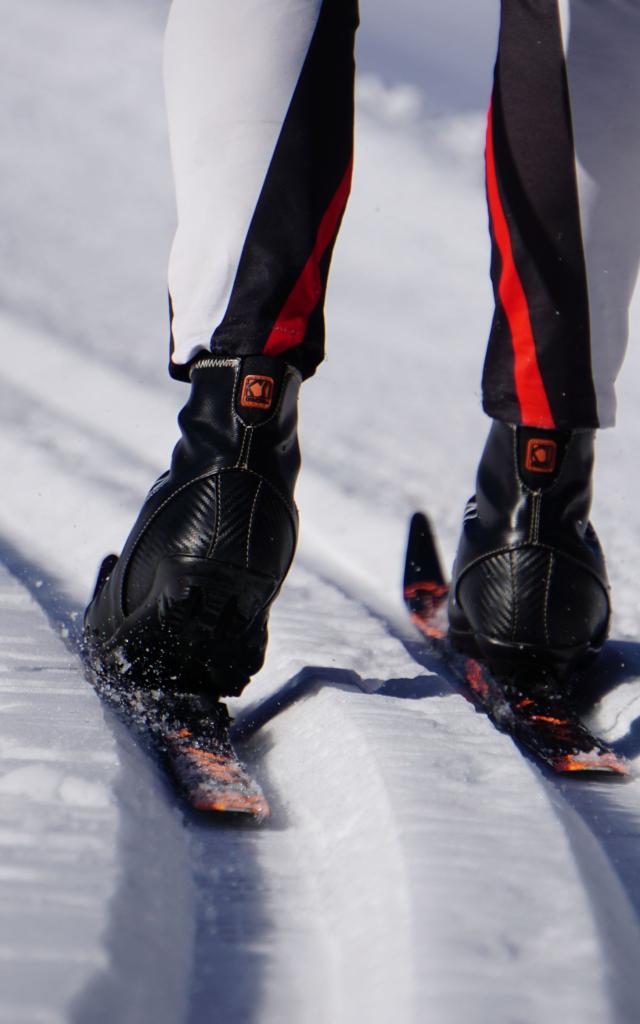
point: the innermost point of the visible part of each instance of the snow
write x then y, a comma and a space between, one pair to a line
66, 829
417, 867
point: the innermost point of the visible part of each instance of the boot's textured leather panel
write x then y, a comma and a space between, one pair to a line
237, 491
184, 526
504, 596
488, 591
530, 574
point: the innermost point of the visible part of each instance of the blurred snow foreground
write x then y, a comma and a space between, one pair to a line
417, 867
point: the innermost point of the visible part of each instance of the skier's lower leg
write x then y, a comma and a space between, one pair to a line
188, 599
529, 583
260, 100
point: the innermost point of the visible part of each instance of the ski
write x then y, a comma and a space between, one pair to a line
535, 711
192, 735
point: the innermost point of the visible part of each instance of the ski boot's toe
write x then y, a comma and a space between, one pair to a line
188, 599
529, 588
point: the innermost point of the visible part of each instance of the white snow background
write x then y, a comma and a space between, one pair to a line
417, 867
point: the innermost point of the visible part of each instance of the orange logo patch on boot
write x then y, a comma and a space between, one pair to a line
541, 456
257, 392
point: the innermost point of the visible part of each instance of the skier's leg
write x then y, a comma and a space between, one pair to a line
260, 99
563, 187
529, 580
260, 103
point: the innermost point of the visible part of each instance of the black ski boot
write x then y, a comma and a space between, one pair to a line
529, 586
189, 597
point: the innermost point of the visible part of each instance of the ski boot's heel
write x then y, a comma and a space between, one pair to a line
529, 607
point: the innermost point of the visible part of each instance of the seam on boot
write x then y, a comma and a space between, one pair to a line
250, 437
251, 519
547, 600
242, 461
514, 603
534, 525
218, 509
135, 541
524, 545
290, 506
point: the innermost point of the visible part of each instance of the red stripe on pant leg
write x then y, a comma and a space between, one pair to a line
291, 326
530, 389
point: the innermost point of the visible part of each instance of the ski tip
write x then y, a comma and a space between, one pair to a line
423, 563
425, 588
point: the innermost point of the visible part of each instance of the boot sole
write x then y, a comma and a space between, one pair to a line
529, 659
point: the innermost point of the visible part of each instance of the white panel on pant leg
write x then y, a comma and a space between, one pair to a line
564, 7
231, 67
602, 45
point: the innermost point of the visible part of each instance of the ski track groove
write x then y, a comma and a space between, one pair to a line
332, 993
277, 906
587, 811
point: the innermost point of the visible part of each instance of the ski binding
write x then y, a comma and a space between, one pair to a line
536, 711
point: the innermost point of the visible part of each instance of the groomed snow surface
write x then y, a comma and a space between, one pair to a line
417, 867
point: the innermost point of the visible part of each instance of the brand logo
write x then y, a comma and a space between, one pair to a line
541, 455
257, 392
